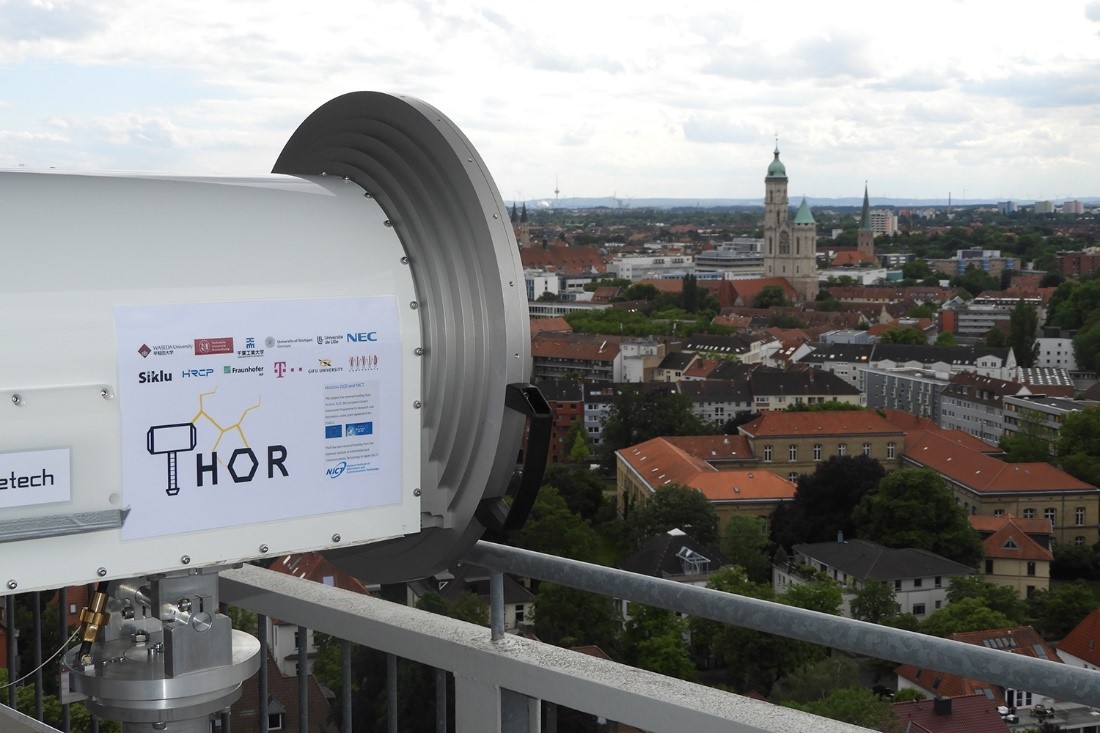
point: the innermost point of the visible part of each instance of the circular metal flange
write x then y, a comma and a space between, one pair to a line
453, 224
127, 682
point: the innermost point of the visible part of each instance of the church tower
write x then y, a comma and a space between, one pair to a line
865, 242
789, 247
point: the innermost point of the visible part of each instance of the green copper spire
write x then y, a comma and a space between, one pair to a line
777, 169
865, 219
804, 216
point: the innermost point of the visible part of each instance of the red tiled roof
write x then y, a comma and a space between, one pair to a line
848, 257
313, 566
985, 474
913, 425
1010, 541
847, 422
683, 460
969, 714
576, 346
747, 289
701, 368
555, 325
1084, 641
987, 524
563, 259
1019, 640
672, 287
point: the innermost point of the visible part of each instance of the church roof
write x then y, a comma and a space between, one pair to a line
865, 219
804, 216
777, 169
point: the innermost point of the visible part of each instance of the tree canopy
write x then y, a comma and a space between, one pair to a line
568, 617
968, 614
875, 602
855, 705
553, 529
825, 499
769, 296
745, 543
654, 640
913, 507
638, 415
1023, 327
903, 335
1079, 445
674, 506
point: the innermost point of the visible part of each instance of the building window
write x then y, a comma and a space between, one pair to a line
842, 449
897, 585
792, 477
988, 567
275, 721
939, 581
792, 452
768, 453
866, 449
1079, 516
1031, 567
1049, 513
1079, 540
918, 582
1029, 513
817, 451
998, 512
890, 447
519, 613
918, 609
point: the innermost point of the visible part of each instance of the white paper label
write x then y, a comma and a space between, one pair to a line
240, 413
35, 477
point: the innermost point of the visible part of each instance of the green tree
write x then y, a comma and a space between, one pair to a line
80, 718
998, 598
969, 614
823, 596
817, 680
906, 335
753, 660
913, 507
568, 617
548, 297
1086, 346
855, 705
577, 440
996, 338
770, 296
782, 319
1030, 443
827, 406
638, 415
946, 338
1079, 445
641, 291
824, 501
975, 280
924, 310
745, 543
582, 489
654, 640
909, 694
1023, 326
1064, 607
553, 529
675, 506
875, 602
916, 270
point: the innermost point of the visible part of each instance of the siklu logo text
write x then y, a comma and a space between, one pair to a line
153, 377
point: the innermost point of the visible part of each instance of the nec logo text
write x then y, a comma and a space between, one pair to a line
363, 336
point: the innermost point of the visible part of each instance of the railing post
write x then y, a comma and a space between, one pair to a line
63, 625
13, 644
345, 692
391, 691
261, 633
440, 701
303, 678
496, 604
36, 631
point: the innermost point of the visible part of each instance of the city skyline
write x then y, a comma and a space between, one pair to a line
578, 100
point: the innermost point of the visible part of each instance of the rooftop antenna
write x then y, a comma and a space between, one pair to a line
556, 191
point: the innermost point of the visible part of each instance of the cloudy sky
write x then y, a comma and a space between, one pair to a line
600, 97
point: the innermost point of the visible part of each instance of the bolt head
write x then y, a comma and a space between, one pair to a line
12, 585
264, 548
336, 537
185, 560
101, 572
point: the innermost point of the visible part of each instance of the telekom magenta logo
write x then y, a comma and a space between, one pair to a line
280, 369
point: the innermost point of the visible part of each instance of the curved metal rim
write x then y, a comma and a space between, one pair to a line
452, 222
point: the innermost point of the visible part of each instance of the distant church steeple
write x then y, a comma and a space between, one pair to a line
865, 242
789, 247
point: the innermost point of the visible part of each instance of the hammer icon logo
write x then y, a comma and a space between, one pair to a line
170, 440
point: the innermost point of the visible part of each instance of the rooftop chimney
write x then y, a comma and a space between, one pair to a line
942, 706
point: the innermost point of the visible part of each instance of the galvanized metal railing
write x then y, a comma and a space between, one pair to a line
511, 684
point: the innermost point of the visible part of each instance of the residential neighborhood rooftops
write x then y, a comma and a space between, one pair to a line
842, 422
964, 714
1083, 641
674, 554
1011, 541
867, 560
744, 485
